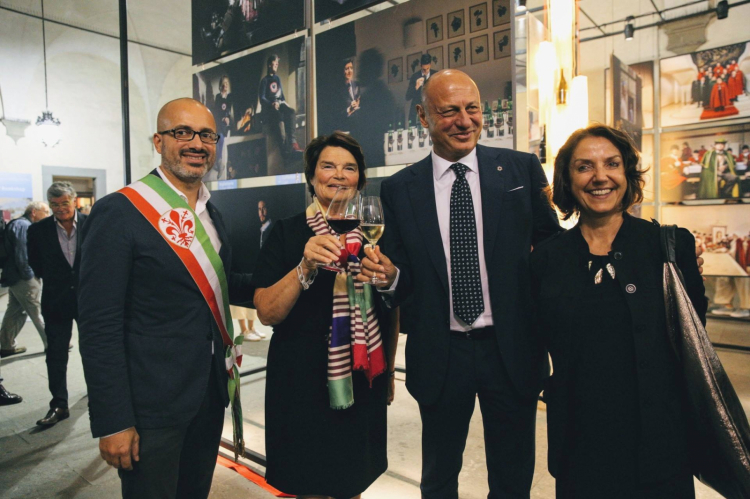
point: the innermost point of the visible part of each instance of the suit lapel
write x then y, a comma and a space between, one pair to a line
422, 194
491, 181
55, 241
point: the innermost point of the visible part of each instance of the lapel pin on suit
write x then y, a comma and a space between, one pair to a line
499, 168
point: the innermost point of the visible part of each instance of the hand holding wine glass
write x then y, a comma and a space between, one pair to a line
373, 223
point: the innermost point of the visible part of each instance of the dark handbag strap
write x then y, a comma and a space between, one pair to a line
668, 237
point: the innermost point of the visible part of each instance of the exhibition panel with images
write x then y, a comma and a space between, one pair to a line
80, 103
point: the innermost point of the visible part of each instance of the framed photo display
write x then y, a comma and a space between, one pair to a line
457, 54
480, 50
396, 70
437, 58
500, 12
456, 24
412, 63
705, 86
501, 42
434, 27
478, 17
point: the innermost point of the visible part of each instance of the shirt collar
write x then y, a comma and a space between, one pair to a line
203, 194
440, 166
75, 220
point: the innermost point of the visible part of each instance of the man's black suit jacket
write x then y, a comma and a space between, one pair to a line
146, 331
60, 280
415, 96
515, 215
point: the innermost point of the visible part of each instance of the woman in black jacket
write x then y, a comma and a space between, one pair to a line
616, 413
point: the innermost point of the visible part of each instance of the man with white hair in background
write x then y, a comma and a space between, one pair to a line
54, 255
24, 288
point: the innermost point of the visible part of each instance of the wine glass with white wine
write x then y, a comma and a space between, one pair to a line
373, 223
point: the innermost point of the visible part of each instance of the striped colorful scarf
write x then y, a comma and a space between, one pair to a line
355, 343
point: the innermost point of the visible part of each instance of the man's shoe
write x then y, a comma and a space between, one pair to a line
12, 351
7, 398
723, 311
54, 416
741, 314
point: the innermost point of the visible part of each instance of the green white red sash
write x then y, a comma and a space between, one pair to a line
181, 228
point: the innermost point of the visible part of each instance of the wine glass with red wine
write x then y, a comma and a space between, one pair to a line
343, 212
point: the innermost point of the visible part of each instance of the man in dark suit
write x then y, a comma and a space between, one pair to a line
54, 256
152, 336
416, 82
461, 224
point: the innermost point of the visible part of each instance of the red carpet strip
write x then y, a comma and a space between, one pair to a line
250, 475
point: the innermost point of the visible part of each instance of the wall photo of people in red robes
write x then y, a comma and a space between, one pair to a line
705, 85
709, 166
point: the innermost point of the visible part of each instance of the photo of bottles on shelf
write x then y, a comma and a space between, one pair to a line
370, 83
708, 166
410, 143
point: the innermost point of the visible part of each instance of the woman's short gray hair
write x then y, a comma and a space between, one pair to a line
58, 189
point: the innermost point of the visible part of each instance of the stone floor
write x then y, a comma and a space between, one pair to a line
63, 461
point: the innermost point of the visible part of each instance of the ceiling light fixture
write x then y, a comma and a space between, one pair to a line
722, 9
49, 126
629, 29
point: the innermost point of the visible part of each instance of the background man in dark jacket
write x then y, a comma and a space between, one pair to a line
53, 245
24, 286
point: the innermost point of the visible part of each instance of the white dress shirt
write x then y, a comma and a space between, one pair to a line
200, 209
444, 177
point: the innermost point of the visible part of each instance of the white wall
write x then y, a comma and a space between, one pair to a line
84, 93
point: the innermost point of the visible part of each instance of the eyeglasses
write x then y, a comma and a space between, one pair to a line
186, 135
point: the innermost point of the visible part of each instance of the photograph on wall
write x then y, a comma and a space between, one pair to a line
500, 12
413, 63
723, 232
708, 166
396, 70
480, 51
457, 54
259, 105
384, 119
502, 44
331, 9
15, 194
436, 58
249, 216
478, 17
434, 28
705, 86
456, 24
223, 27
627, 109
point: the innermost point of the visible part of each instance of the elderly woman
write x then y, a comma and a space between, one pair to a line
330, 362
616, 420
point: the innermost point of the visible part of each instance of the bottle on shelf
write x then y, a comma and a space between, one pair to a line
390, 137
422, 135
400, 137
499, 119
411, 135
489, 123
562, 89
543, 146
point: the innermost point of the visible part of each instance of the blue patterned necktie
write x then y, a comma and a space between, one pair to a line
466, 285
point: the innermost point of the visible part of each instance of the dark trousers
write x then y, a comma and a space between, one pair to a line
475, 368
678, 487
275, 118
58, 340
178, 461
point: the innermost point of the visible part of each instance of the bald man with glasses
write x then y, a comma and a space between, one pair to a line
156, 337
